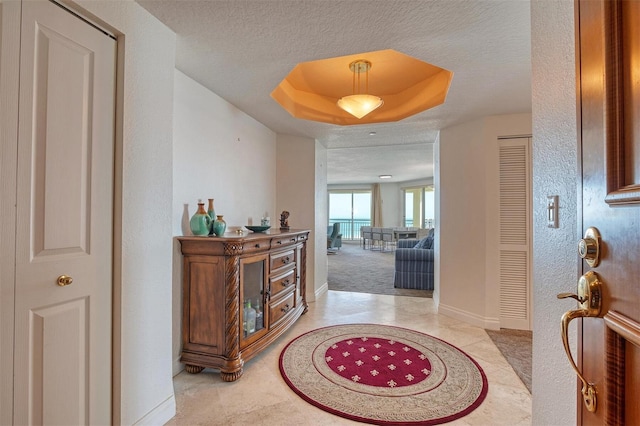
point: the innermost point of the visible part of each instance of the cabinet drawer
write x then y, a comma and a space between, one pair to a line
281, 283
281, 242
282, 260
254, 246
281, 307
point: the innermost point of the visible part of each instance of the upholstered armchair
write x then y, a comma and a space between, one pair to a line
334, 237
415, 266
366, 234
387, 238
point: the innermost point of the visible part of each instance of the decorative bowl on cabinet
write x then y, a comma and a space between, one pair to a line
257, 228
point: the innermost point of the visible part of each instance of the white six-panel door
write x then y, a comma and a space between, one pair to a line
62, 364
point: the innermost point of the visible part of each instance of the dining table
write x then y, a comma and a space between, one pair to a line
404, 234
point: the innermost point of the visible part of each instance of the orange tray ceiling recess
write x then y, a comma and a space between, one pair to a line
406, 85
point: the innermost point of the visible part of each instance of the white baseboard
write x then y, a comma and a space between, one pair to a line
177, 366
324, 288
161, 414
469, 317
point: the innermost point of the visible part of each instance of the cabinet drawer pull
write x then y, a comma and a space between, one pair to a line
286, 308
278, 242
286, 259
257, 245
293, 240
286, 283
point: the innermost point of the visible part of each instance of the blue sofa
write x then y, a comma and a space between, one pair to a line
415, 266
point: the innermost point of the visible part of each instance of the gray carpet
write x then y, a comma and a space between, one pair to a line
353, 268
515, 346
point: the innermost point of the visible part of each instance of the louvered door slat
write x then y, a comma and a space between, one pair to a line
514, 238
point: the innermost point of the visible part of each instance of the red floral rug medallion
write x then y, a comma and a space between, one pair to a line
373, 361
383, 375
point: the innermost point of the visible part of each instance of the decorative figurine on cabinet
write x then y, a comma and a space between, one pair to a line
284, 220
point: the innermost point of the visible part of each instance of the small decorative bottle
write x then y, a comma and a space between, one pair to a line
212, 214
259, 316
219, 226
249, 318
200, 222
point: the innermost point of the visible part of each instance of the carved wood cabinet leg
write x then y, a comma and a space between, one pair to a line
231, 377
193, 369
232, 370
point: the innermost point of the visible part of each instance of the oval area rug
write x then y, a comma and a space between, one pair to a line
383, 375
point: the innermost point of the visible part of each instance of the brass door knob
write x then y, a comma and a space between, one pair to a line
64, 280
589, 247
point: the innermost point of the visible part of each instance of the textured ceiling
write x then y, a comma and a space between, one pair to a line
242, 49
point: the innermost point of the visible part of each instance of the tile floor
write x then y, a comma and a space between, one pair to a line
261, 397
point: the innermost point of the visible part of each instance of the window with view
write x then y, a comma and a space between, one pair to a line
352, 209
419, 207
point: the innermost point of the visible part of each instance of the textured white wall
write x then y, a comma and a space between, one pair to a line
467, 196
554, 173
437, 183
296, 193
321, 212
143, 295
219, 152
461, 221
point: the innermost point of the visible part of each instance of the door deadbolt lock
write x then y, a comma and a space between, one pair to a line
589, 247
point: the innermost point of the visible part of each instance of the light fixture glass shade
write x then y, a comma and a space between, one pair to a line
359, 105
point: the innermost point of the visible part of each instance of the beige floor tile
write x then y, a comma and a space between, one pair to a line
261, 397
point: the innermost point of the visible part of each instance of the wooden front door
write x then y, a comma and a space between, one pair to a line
64, 229
609, 99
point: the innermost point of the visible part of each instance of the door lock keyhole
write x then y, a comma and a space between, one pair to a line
589, 247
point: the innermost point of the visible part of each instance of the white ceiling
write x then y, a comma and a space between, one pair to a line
241, 49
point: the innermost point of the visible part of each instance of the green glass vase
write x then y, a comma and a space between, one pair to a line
200, 221
219, 226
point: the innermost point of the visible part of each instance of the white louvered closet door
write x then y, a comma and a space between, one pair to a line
515, 233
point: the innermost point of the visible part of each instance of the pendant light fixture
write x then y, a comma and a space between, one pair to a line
360, 103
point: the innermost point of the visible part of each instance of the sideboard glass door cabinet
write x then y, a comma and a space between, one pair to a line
240, 293
253, 289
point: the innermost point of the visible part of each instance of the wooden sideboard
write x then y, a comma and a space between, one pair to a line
220, 275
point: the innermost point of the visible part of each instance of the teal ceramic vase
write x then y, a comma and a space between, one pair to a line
219, 226
212, 214
200, 222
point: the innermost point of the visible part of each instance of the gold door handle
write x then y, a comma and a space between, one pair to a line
64, 280
590, 299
